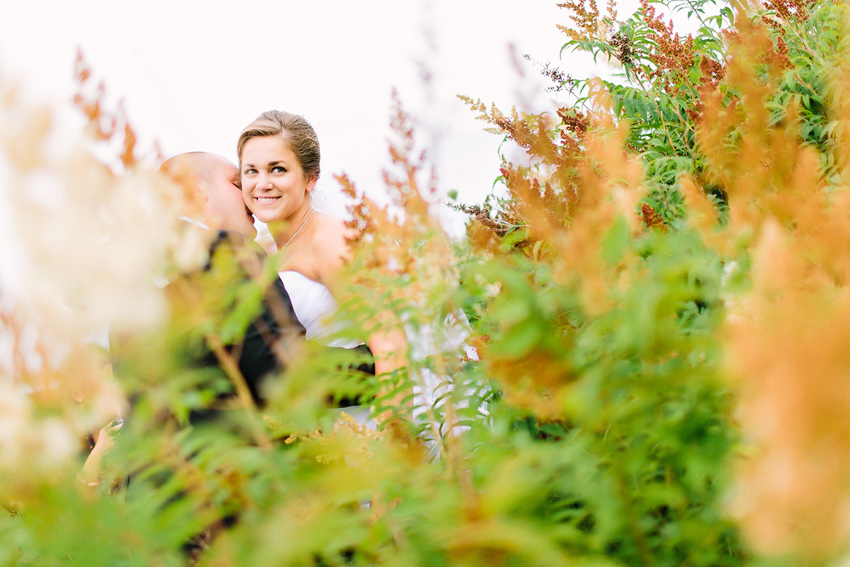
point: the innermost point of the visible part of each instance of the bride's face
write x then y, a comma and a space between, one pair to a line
273, 183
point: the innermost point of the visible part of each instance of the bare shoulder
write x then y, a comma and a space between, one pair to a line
325, 222
329, 245
330, 233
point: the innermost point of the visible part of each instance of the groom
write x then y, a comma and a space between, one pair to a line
214, 204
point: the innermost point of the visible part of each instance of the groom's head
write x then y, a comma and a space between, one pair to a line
214, 183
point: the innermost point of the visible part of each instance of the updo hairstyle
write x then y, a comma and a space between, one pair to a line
296, 133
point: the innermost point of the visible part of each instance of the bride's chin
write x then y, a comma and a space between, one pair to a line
268, 219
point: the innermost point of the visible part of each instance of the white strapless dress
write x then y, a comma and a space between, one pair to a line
314, 306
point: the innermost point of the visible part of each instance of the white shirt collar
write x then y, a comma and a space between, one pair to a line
194, 222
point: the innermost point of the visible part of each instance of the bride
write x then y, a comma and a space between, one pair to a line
279, 164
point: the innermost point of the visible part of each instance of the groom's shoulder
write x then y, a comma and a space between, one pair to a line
234, 244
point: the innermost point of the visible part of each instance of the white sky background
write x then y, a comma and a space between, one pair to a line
193, 73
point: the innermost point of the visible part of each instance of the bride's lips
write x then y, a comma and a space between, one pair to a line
265, 200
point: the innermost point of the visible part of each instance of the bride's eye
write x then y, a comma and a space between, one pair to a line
278, 169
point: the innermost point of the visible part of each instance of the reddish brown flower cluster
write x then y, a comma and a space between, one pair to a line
712, 72
790, 9
539, 203
674, 57
575, 121
625, 53
104, 125
778, 57
575, 128
550, 199
514, 130
586, 18
771, 23
361, 214
530, 132
651, 218
695, 112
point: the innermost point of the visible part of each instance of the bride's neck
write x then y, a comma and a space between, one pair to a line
284, 231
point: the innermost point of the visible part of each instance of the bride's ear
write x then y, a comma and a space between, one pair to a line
311, 184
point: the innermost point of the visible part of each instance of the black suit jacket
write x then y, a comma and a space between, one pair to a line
262, 351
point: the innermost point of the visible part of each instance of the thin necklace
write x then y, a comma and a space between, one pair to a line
282, 248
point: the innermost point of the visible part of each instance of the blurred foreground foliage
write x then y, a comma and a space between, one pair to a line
659, 303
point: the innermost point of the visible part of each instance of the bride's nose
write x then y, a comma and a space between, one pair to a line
264, 183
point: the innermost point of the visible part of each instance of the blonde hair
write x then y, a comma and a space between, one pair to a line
296, 133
